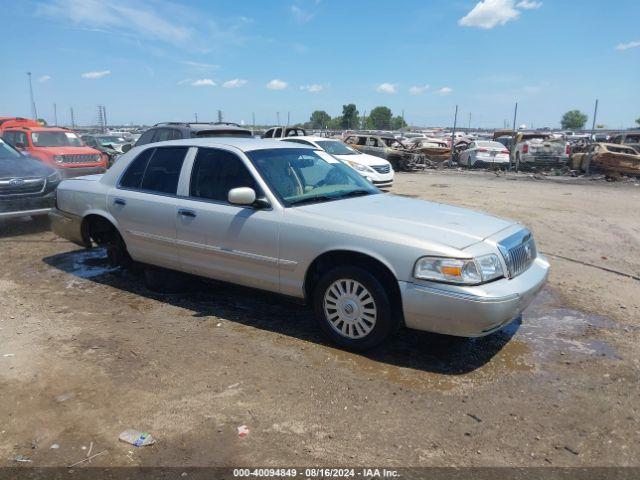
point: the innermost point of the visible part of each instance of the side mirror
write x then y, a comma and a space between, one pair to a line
242, 196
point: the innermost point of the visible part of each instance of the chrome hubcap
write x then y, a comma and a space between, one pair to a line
350, 308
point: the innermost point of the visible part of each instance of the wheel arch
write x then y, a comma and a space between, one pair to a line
351, 257
92, 218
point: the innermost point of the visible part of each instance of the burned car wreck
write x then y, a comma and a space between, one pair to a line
401, 157
608, 158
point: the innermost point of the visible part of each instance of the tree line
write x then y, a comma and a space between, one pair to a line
380, 118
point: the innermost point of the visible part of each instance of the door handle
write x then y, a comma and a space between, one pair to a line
186, 213
119, 201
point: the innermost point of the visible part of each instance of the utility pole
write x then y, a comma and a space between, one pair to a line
364, 120
513, 141
453, 136
104, 118
219, 116
253, 119
100, 120
288, 117
196, 115
34, 112
73, 120
593, 125
278, 116
469, 127
403, 122
55, 114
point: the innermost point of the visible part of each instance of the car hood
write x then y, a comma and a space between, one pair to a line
68, 150
23, 167
363, 159
417, 219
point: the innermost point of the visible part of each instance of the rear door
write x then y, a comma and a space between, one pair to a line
144, 204
219, 240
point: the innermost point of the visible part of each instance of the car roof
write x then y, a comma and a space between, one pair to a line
244, 144
313, 138
202, 126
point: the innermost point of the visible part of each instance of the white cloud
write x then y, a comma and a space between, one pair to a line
235, 83
626, 46
203, 82
418, 89
313, 88
386, 88
276, 84
490, 13
300, 14
528, 5
163, 21
200, 64
445, 91
44, 78
98, 74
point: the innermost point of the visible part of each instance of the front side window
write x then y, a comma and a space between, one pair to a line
55, 139
215, 172
299, 176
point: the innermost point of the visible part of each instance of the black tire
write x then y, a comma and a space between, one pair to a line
385, 322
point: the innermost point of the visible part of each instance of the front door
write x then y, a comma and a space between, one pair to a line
219, 240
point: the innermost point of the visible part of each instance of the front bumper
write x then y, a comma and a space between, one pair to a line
471, 311
26, 206
71, 172
68, 226
379, 180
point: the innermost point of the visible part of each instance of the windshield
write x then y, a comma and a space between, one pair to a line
110, 139
336, 148
299, 176
7, 151
56, 139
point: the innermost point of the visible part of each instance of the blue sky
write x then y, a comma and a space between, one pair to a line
150, 61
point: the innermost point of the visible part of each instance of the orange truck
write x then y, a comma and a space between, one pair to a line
58, 147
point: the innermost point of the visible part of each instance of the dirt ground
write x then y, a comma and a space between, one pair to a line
87, 352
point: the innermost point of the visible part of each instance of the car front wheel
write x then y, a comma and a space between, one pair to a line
353, 308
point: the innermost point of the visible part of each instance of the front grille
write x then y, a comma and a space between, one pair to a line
382, 168
21, 186
80, 158
519, 252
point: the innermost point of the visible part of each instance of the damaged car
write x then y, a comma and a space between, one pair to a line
27, 186
401, 157
537, 149
608, 158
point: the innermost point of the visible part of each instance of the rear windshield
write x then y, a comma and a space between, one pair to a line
223, 133
335, 148
490, 145
56, 139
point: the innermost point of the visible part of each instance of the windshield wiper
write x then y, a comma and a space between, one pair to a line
355, 193
318, 198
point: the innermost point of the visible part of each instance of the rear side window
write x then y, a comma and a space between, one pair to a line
145, 138
215, 172
132, 178
163, 170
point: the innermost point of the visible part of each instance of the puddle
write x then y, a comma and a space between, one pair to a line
550, 331
86, 264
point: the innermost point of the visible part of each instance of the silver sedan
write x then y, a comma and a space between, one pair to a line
481, 153
295, 221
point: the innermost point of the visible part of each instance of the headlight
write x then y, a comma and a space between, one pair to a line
54, 178
58, 158
358, 166
458, 270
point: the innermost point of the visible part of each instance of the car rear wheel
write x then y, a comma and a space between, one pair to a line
353, 308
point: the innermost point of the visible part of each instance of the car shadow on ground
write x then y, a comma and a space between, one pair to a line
267, 311
15, 227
